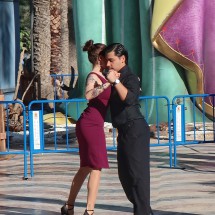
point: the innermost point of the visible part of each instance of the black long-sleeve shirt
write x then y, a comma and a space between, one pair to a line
129, 109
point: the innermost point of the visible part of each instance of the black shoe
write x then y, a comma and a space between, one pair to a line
86, 212
67, 211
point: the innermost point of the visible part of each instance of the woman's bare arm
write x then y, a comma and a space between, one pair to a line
93, 88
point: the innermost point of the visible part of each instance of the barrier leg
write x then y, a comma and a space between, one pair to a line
170, 156
175, 156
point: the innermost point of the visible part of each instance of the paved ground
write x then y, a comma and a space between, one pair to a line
187, 190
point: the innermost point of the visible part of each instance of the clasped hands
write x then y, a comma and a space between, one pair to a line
112, 75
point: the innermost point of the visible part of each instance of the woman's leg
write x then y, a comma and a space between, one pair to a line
93, 186
77, 182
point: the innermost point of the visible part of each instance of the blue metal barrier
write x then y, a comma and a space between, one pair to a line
176, 122
11, 145
175, 125
150, 105
38, 144
38, 140
199, 124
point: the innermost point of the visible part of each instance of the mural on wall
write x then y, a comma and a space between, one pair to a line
170, 45
183, 30
139, 25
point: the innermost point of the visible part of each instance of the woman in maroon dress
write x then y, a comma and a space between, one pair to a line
90, 131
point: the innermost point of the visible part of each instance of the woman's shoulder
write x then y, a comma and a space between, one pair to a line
92, 75
97, 75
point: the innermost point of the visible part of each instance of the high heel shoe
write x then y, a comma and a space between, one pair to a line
67, 211
86, 212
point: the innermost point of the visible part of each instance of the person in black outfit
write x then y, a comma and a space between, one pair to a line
133, 131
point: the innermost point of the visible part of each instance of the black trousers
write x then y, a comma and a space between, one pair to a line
133, 164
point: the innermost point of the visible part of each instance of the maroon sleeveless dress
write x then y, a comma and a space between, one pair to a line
90, 131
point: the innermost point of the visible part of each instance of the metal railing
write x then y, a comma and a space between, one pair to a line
54, 131
44, 134
16, 141
197, 127
161, 127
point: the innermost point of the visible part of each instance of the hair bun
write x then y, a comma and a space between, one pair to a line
88, 45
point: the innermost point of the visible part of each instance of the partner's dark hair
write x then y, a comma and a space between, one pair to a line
118, 49
93, 50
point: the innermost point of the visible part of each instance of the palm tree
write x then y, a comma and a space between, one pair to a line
65, 37
60, 44
42, 48
51, 44
55, 27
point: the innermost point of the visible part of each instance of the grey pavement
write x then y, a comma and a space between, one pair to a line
188, 189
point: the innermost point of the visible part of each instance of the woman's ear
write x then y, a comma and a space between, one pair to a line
99, 60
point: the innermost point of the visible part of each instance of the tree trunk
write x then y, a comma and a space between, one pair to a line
42, 48
65, 39
55, 25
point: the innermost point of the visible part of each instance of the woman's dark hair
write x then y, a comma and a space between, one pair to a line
118, 50
93, 50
